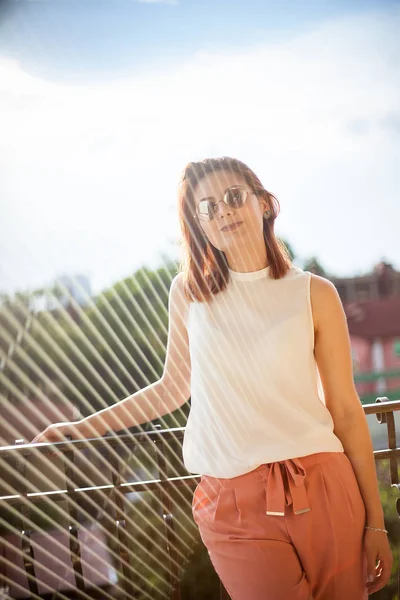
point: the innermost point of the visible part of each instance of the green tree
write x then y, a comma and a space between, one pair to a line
92, 355
314, 266
289, 248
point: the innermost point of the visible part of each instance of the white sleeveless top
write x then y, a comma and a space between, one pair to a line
256, 395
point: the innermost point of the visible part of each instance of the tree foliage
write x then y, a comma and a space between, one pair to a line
92, 355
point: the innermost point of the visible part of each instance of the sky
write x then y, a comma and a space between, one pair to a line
103, 102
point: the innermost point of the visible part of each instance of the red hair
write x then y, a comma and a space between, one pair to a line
205, 268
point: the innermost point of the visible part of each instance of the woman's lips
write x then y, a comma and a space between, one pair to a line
231, 227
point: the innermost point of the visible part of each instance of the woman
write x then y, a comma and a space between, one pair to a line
288, 503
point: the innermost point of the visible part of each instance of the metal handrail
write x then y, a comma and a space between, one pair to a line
382, 408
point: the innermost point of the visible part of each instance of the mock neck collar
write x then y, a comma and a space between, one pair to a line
249, 276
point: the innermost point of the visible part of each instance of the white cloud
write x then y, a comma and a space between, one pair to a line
91, 171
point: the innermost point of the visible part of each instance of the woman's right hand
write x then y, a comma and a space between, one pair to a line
58, 432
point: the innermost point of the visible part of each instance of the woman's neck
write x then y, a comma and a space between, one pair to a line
248, 262
248, 268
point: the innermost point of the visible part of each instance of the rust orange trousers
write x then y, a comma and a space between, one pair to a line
288, 530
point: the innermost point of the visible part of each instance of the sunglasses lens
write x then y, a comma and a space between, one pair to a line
235, 197
205, 209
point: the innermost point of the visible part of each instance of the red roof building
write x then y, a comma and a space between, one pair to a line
372, 306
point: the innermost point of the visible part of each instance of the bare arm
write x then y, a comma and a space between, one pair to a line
157, 399
333, 356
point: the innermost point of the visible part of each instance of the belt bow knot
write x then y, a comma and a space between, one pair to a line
285, 486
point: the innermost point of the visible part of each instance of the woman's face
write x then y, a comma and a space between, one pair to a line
249, 218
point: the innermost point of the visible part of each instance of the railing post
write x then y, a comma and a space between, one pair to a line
169, 521
388, 418
74, 542
116, 499
28, 555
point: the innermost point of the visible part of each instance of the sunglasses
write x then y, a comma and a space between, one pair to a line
234, 197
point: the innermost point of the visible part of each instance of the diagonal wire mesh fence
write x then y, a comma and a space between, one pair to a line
108, 517
93, 519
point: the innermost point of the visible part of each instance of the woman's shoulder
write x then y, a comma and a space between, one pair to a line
295, 272
320, 287
324, 296
177, 288
177, 291
177, 280
178, 301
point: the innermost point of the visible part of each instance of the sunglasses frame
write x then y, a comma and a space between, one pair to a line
233, 187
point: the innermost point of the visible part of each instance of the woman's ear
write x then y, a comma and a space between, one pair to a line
264, 205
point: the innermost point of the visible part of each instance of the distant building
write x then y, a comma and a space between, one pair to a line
76, 287
372, 306
71, 292
383, 282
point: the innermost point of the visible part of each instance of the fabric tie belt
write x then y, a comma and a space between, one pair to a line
285, 486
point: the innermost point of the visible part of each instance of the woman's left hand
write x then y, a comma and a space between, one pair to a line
377, 549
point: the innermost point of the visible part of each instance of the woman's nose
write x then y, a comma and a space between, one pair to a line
221, 208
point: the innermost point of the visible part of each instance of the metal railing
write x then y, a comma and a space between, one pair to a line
113, 488
385, 411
